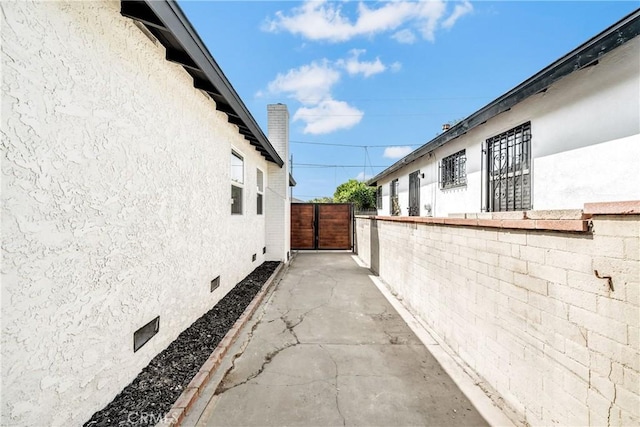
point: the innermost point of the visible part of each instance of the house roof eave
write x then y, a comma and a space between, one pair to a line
166, 21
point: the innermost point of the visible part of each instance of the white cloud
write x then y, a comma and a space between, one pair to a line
405, 36
328, 116
459, 11
429, 12
323, 20
311, 85
396, 152
354, 66
308, 83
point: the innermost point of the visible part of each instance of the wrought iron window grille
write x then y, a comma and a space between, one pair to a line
509, 170
393, 197
453, 170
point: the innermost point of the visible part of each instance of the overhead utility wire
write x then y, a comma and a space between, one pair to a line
318, 165
354, 145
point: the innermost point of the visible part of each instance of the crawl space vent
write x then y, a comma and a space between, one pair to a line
144, 334
215, 283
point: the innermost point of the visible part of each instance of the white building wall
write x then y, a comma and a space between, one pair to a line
115, 206
278, 194
585, 142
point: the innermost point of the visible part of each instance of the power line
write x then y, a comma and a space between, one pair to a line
441, 98
376, 115
319, 165
354, 145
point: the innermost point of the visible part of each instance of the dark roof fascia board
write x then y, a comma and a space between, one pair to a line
584, 55
292, 182
175, 21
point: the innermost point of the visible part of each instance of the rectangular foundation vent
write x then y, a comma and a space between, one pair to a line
144, 334
264, 250
253, 257
215, 283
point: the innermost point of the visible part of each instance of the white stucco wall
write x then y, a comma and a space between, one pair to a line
115, 206
585, 143
279, 200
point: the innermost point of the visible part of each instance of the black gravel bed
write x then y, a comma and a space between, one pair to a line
152, 393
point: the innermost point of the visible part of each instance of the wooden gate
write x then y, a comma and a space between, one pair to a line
321, 226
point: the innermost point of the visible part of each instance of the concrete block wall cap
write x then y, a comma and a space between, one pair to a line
572, 225
562, 225
483, 215
177, 413
508, 215
461, 221
555, 214
631, 207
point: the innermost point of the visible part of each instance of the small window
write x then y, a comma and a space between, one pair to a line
395, 203
379, 201
453, 170
237, 168
237, 179
236, 200
260, 183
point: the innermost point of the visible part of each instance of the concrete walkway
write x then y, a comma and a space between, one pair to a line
327, 349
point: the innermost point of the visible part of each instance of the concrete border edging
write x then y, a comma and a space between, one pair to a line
453, 366
190, 394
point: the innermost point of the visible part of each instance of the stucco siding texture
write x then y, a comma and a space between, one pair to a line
115, 206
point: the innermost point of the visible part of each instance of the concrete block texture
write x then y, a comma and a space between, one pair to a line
536, 310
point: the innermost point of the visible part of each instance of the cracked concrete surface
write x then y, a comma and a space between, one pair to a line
327, 349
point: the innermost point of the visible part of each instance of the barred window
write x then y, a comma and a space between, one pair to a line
453, 170
509, 170
379, 201
395, 203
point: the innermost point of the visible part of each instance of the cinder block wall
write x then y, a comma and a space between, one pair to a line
525, 310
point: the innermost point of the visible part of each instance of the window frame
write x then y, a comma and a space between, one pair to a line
394, 186
260, 192
236, 184
511, 150
379, 197
453, 170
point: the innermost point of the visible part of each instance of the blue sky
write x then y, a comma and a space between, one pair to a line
385, 75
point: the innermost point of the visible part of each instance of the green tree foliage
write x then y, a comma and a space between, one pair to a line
321, 200
356, 192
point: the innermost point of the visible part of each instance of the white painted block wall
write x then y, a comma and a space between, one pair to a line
115, 206
525, 311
